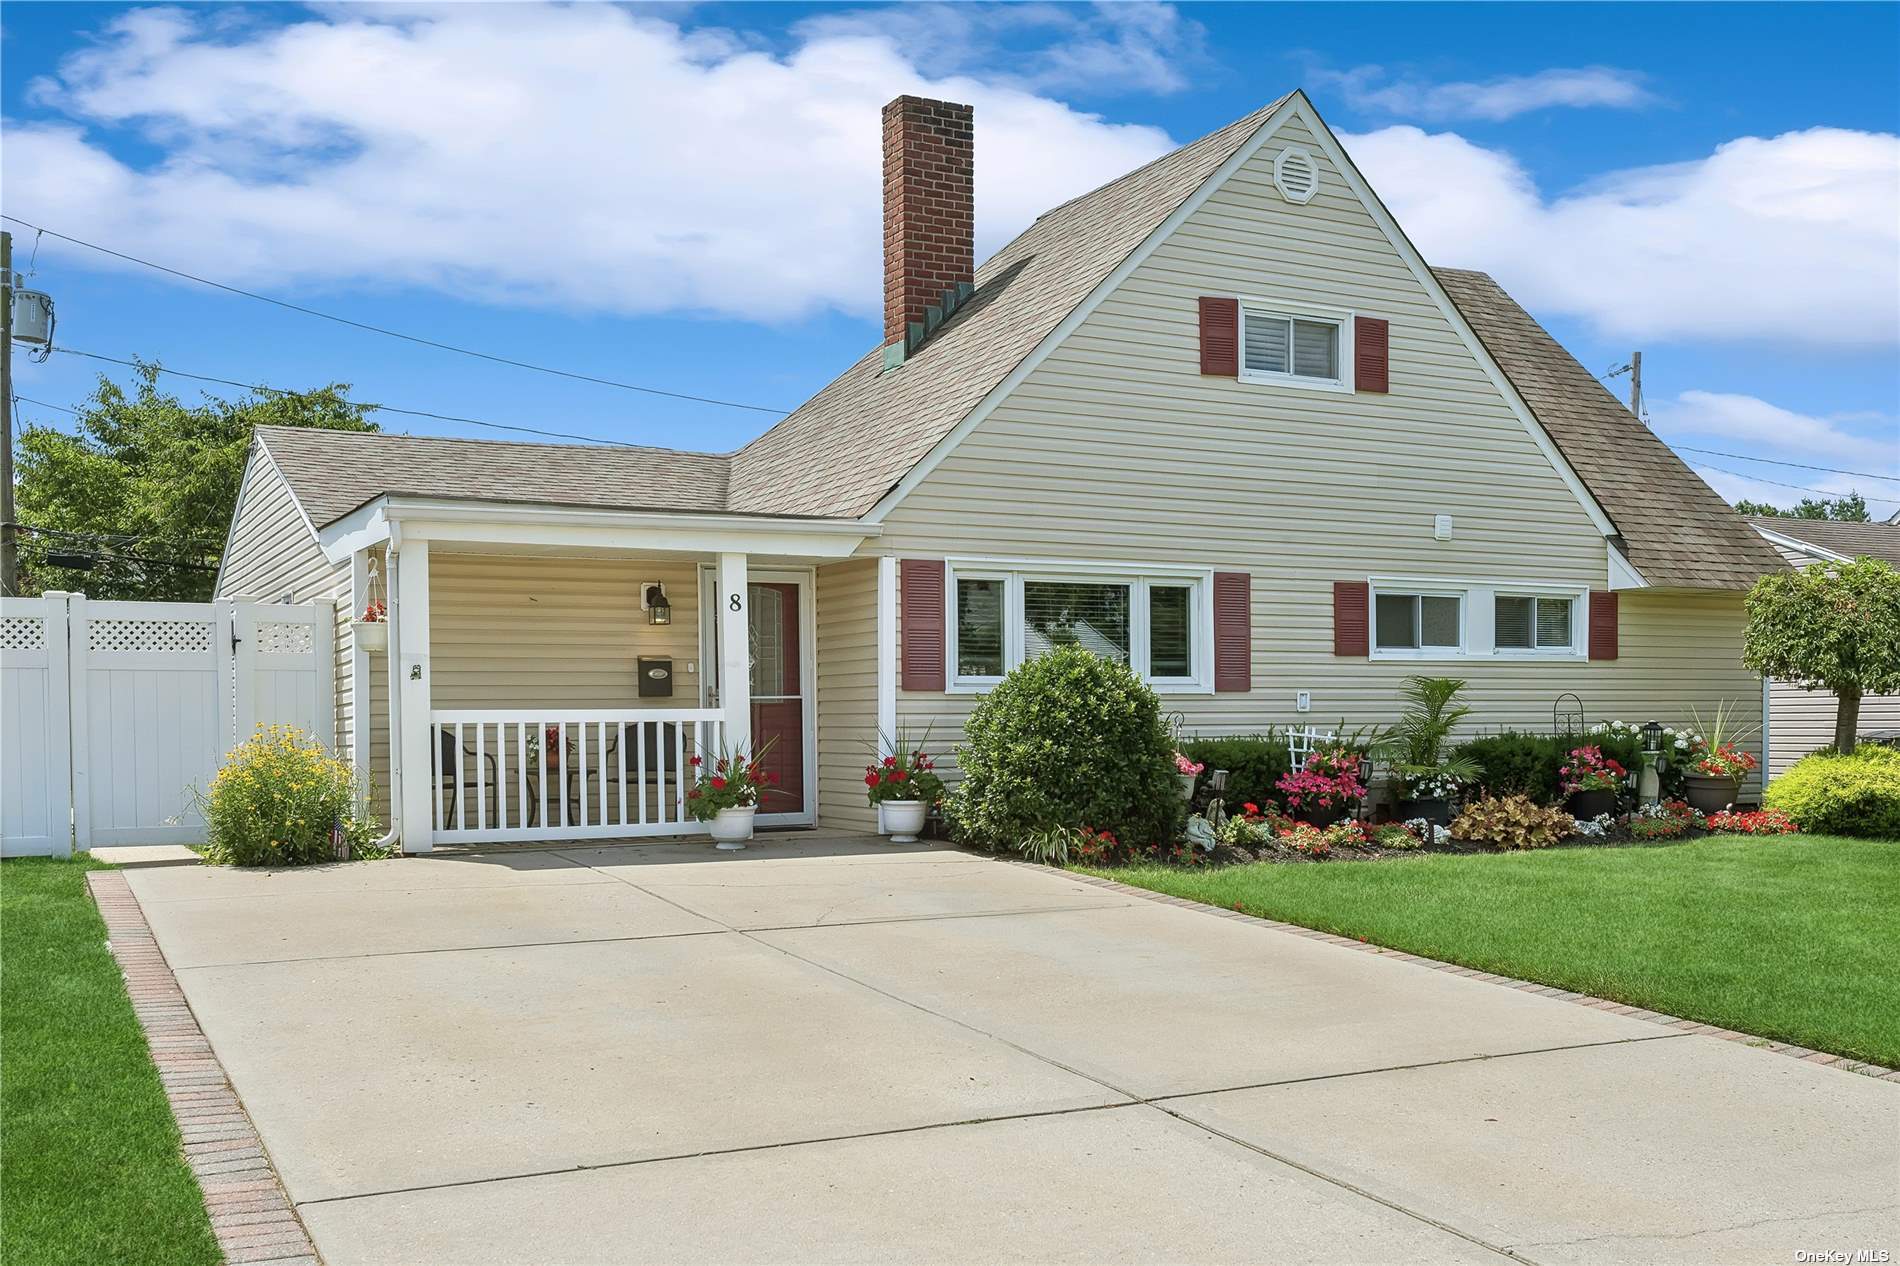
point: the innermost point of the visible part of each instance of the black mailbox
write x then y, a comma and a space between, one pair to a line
656, 678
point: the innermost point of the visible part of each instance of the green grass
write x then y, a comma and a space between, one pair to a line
90, 1166
1795, 938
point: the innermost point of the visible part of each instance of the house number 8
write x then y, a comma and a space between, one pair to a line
733, 603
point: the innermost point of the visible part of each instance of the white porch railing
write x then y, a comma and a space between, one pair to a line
521, 774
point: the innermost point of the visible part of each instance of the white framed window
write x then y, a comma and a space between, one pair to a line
1156, 619
1531, 623
1295, 348
1407, 622
1437, 618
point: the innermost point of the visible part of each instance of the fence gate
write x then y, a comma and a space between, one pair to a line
115, 711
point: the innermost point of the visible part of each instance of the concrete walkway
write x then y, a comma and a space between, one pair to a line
839, 1050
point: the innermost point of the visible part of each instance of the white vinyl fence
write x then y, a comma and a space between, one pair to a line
111, 713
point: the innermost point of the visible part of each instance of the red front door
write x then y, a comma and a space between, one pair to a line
778, 697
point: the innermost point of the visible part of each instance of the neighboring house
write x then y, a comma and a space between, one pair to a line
1216, 416
1799, 721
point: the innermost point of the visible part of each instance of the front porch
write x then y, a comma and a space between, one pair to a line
550, 684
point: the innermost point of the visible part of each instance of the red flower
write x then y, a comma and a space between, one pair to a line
1251, 807
899, 776
871, 778
718, 784
692, 760
890, 761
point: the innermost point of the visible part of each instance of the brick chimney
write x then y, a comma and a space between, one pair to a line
929, 208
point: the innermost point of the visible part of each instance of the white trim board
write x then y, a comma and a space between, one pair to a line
1818, 553
1295, 105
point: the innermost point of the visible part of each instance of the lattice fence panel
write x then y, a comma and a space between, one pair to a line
176, 637
22, 633
280, 638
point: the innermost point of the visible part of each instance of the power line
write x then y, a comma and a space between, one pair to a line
1775, 461
397, 334
1819, 492
378, 408
45, 404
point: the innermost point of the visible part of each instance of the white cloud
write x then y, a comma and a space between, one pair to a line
586, 156
1727, 422
1373, 89
1794, 237
1127, 46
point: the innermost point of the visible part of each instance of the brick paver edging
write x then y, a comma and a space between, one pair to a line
1548, 991
250, 1213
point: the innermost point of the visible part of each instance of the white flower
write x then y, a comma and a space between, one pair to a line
1682, 745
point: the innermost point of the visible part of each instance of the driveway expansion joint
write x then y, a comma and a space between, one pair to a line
244, 1197
1789, 1049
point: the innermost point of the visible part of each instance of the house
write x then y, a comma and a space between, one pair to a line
1800, 721
1216, 416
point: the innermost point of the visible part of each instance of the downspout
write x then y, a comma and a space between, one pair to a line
393, 654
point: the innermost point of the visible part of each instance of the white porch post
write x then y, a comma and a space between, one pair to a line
886, 650
412, 632
735, 653
359, 667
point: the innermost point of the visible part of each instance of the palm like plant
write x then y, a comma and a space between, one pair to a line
1415, 746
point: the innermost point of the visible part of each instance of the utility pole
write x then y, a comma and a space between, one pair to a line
1636, 384
9, 546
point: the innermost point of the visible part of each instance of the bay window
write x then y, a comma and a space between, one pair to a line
1157, 624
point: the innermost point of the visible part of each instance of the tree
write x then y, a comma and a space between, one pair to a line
1851, 508
1833, 627
135, 504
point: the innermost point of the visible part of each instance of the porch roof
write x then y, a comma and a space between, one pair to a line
334, 472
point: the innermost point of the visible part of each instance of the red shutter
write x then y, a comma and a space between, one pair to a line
1351, 634
1370, 353
1233, 631
920, 618
1220, 336
1602, 624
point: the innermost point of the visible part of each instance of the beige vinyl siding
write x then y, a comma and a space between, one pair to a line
1116, 449
272, 551
519, 631
847, 691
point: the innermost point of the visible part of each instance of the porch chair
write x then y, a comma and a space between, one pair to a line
471, 774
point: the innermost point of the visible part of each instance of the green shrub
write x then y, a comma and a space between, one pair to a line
1512, 822
1068, 739
1517, 764
1253, 763
277, 802
1830, 794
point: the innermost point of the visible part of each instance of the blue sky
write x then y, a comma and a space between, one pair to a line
685, 197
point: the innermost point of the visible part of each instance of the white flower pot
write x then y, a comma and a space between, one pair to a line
371, 635
902, 819
731, 828
1187, 785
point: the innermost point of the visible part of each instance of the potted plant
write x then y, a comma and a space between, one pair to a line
902, 787
1592, 782
726, 796
1326, 789
371, 629
1188, 771
1717, 763
1415, 749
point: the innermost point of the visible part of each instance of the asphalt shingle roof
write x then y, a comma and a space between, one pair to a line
1876, 540
1676, 531
334, 472
845, 448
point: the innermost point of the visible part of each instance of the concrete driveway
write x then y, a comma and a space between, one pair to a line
839, 1050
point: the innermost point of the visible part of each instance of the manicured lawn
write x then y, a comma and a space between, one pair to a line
1796, 938
90, 1169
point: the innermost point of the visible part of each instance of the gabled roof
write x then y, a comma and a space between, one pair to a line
847, 446
1675, 530
333, 472
1848, 540
841, 452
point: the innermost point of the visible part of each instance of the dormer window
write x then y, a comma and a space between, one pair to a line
1305, 349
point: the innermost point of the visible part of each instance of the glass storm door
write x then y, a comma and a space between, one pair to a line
780, 706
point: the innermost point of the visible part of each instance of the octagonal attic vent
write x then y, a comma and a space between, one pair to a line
1296, 175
